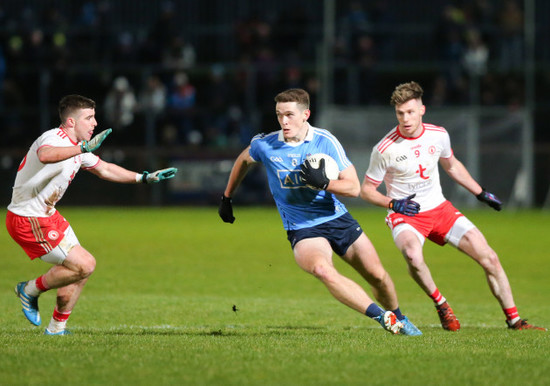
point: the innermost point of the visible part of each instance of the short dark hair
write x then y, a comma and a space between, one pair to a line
70, 103
298, 95
405, 92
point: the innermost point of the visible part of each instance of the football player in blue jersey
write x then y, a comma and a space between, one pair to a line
317, 223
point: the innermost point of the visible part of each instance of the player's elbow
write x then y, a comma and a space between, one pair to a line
352, 191
45, 157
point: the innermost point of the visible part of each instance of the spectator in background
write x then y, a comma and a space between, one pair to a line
125, 49
476, 53
179, 54
120, 104
365, 56
181, 106
510, 22
290, 31
449, 40
152, 98
151, 106
252, 34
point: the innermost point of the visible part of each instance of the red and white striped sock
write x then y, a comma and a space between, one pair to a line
58, 321
438, 298
512, 315
36, 287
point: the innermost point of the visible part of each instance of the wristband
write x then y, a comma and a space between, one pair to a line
139, 177
144, 177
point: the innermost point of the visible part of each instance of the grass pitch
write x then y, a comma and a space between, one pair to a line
178, 297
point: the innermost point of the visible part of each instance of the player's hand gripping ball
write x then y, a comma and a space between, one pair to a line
318, 169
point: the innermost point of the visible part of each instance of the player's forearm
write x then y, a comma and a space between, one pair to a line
52, 154
238, 172
370, 194
460, 175
114, 173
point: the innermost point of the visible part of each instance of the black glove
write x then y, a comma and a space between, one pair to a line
405, 206
316, 178
226, 210
490, 199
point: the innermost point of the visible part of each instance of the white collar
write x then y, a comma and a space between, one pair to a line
309, 136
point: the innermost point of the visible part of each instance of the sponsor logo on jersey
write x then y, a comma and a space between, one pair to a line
290, 179
420, 185
275, 159
401, 158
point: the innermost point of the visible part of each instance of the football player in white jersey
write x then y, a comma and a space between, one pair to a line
317, 223
406, 160
43, 176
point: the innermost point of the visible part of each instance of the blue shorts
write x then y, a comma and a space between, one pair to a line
340, 233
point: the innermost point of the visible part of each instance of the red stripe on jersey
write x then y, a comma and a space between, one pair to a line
63, 134
22, 164
390, 139
429, 126
376, 182
95, 166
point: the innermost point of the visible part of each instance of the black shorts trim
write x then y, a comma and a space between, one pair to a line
341, 233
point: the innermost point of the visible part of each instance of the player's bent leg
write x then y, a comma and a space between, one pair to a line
314, 255
68, 296
410, 245
362, 256
473, 244
78, 265
411, 248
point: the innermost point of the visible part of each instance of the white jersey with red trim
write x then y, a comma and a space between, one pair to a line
410, 165
38, 186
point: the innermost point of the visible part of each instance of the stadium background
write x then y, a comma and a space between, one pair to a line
188, 83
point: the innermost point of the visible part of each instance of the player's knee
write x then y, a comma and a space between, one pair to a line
323, 272
86, 266
491, 261
378, 278
413, 259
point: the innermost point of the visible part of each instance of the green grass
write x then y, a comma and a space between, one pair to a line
159, 308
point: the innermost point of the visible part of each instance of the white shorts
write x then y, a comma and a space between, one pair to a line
59, 253
459, 229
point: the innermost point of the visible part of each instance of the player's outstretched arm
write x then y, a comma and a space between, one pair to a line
458, 172
238, 172
115, 173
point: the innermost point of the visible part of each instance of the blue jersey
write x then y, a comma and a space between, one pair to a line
299, 206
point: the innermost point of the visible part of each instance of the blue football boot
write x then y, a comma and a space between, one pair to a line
409, 328
29, 303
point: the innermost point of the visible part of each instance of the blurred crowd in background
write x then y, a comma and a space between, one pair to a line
205, 73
